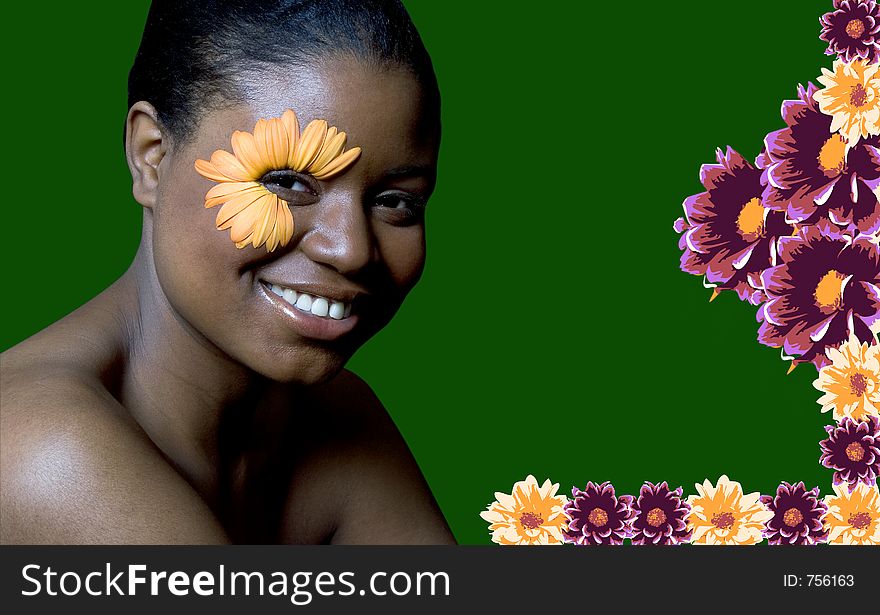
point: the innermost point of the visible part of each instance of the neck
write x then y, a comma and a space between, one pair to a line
185, 393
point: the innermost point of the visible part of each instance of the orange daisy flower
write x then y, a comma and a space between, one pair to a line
253, 214
851, 96
724, 515
851, 383
853, 518
531, 515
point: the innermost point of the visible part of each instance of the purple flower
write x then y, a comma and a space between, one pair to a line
826, 287
853, 451
728, 234
598, 517
851, 30
797, 516
813, 176
660, 516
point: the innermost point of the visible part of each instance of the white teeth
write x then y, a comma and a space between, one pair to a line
320, 307
337, 310
304, 302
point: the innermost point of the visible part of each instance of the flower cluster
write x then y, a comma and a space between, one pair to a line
718, 514
796, 233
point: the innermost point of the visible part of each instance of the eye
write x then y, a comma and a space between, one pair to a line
400, 208
396, 203
290, 186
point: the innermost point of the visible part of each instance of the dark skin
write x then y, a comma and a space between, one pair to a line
182, 405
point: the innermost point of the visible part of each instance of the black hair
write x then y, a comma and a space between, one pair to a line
192, 51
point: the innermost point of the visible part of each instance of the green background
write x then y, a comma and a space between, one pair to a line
553, 333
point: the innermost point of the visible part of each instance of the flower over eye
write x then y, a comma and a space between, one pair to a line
254, 214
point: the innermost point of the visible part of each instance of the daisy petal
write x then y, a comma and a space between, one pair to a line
338, 164
206, 169
310, 144
231, 167
291, 126
234, 206
333, 146
246, 151
266, 222
223, 191
244, 223
285, 224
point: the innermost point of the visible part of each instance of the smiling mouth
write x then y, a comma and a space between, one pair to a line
316, 305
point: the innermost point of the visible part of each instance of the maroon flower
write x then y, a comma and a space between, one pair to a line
826, 287
598, 517
812, 175
851, 30
853, 451
660, 516
728, 234
797, 516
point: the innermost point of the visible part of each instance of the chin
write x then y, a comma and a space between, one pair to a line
302, 366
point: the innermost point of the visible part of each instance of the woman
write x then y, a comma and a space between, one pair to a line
202, 397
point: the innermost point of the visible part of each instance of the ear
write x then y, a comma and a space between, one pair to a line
145, 146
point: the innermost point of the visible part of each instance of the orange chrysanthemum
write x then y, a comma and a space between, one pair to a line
724, 515
853, 518
531, 515
851, 383
851, 96
254, 214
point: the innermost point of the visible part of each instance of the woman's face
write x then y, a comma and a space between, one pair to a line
359, 237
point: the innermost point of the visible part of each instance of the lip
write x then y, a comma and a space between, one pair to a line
309, 325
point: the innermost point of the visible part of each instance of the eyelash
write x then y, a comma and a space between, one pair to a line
413, 207
390, 202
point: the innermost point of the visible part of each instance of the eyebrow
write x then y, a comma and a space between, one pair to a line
412, 170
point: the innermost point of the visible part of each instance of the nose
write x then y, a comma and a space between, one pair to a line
339, 234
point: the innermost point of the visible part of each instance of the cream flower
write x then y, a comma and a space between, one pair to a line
851, 96
254, 214
853, 518
530, 515
722, 515
851, 382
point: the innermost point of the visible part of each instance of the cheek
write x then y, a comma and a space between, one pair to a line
183, 228
197, 265
403, 252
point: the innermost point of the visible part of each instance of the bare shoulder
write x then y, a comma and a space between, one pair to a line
382, 496
76, 469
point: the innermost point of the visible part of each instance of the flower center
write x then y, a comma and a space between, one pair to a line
656, 517
723, 521
858, 97
860, 520
531, 521
793, 517
855, 451
829, 291
855, 28
598, 517
750, 222
858, 384
832, 156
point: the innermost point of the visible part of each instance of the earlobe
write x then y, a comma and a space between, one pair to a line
145, 146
